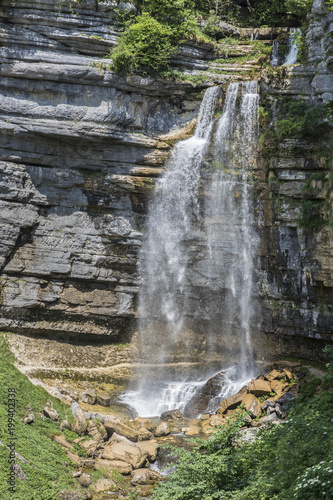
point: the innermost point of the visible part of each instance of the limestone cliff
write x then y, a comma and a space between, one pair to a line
80, 150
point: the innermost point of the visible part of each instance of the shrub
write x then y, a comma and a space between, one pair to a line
145, 43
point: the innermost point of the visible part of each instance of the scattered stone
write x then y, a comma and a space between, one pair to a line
193, 430
19, 472
85, 480
97, 430
112, 425
120, 448
155, 476
65, 425
172, 415
200, 401
103, 400
51, 413
246, 435
149, 447
118, 465
89, 397
267, 420
233, 401
145, 422
144, 434
162, 430
259, 387
205, 416
140, 476
144, 490
90, 447
286, 398
60, 439
29, 418
280, 411
274, 375
74, 495
216, 420
74, 458
77, 473
252, 405
277, 386
105, 485
80, 425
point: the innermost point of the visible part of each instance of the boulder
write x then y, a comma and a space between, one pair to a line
29, 418
51, 413
80, 425
105, 485
172, 415
267, 420
193, 430
140, 422
74, 458
120, 448
74, 495
233, 401
149, 447
252, 405
144, 434
89, 397
118, 465
277, 386
65, 425
162, 430
259, 387
84, 480
103, 400
246, 435
90, 447
60, 439
216, 420
204, 396
97, 430
140, 476
112, 425
274, 375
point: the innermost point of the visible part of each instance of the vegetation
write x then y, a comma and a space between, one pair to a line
49, 469
289, 461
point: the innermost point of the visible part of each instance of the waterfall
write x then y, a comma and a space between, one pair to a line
228, 242
293, 46
275, 54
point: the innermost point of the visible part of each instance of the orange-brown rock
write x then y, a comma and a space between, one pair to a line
252, 405
233, 401
259, 387
118, 465
275, 375
277, 386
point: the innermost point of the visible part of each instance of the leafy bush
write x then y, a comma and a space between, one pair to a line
147, 42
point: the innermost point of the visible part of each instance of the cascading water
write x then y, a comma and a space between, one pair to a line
293, 46
275, 54
230, 243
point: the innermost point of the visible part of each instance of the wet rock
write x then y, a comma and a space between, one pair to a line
286, 398
120, 448
162, 430
252, 405
281, 413
51, 413
233, 401
193, 430
259, 387
64, 424
80, 425
200, 401
172, 415
89, 397
140, 476
118, 465
85, 480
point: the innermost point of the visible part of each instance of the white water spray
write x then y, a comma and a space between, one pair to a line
293, 46
275, 54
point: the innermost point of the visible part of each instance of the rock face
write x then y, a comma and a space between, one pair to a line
80, 151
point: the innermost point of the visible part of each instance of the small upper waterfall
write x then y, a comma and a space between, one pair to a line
275, 54
222, 219
291, 57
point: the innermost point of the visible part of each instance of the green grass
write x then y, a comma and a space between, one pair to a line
52, 469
